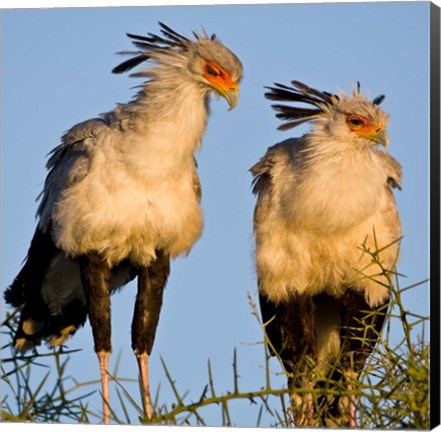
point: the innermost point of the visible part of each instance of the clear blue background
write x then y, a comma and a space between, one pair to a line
56, 72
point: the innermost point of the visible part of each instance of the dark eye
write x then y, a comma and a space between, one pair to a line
212, 71
355, 122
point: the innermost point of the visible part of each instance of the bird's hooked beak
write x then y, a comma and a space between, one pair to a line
379, 136
232, 98
383, 138
230, 92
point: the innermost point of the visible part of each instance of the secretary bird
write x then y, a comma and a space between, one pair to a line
325, 206
122, 198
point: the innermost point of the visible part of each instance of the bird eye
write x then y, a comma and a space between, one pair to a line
355, 121
212, 71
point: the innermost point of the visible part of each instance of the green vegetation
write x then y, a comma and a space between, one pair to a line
393, 391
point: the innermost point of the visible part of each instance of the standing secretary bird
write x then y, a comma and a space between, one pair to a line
327, 239
121, 199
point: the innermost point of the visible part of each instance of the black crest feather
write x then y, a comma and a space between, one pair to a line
151, 43
298, 92
379, 99
129, 64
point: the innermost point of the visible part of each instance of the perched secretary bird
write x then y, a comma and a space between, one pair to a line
324, 201
122, 197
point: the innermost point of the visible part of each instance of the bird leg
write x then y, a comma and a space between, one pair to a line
297, 408
103, 357
303, 407
95, 276
351, 409
361, 328
151, 283
310, 409
351, 377
299, 352
143, 365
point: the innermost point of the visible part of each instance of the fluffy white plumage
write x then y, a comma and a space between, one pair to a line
138, 193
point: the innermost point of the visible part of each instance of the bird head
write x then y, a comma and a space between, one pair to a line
352, 119
204, 61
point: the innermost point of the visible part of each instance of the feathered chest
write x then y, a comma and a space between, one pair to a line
336, 193
133, 201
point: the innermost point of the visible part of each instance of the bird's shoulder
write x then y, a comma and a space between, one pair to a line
86, 129
393, 168
76, 139
277, 156
68, 164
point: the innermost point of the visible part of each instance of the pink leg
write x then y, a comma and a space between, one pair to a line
143, 364
310, 409
303, 408
103, 357
351, 415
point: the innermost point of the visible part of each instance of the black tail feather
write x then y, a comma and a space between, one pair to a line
27, 285
36, 321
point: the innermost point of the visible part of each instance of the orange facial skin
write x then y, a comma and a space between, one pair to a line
219, 78
360, 124
222, 82
364, 128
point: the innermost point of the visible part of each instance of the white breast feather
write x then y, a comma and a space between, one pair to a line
137, 197
310, 236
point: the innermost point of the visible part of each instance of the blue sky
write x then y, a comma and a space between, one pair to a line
56, 72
